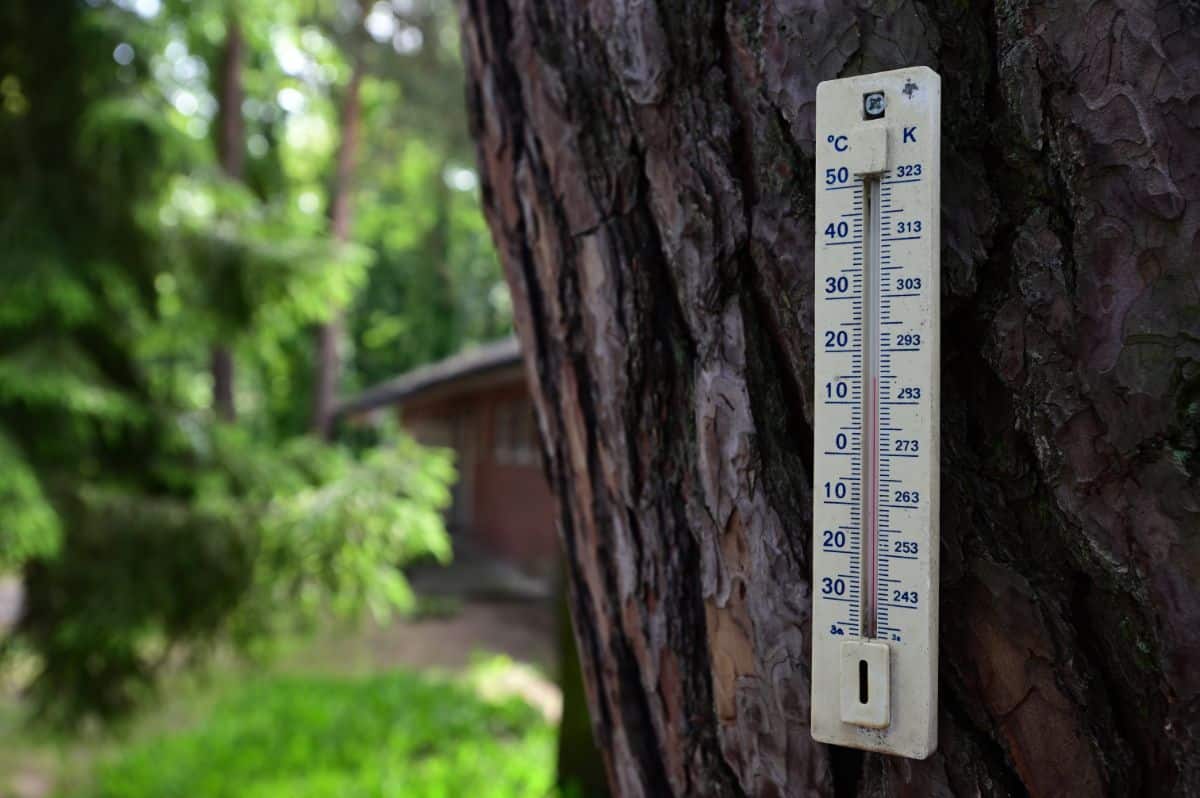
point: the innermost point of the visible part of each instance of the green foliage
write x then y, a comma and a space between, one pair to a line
146, 529
437, 284
334, 526
76, 268
399, 735
135, 577
267, 539
29, 526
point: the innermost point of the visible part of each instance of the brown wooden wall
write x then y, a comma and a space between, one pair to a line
502, 502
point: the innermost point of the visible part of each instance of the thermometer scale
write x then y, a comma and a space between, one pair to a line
875, 559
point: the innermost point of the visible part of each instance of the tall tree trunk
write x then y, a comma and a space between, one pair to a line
648, 176
231, 151
222, 381
341, 217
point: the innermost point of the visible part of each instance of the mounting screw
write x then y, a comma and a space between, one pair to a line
873, 105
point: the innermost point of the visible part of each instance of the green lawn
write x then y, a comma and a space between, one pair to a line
403, 734
409, 708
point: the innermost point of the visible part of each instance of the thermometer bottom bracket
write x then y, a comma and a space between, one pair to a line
866, 684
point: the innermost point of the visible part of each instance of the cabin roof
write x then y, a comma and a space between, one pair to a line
473, 362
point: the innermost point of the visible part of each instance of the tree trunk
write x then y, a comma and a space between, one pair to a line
648, 178
231, 152
222, 380
341, 216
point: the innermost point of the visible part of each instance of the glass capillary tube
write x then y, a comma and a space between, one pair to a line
869, 490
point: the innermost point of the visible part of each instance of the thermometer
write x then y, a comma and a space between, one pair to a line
875, 503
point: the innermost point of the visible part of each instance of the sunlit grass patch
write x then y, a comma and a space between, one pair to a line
402, 734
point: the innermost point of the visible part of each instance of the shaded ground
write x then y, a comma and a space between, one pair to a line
521, 630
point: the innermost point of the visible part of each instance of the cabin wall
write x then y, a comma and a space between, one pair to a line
503, 505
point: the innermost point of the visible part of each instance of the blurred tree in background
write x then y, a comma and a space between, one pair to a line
166, 253
437, 284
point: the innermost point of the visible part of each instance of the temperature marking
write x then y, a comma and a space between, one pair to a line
874, 676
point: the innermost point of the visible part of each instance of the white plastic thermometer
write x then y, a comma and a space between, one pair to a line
875, 559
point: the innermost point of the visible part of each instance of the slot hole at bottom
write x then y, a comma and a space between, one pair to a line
863, 692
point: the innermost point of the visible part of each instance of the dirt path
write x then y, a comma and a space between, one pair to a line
523, 631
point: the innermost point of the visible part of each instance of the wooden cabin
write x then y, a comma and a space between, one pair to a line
477, 403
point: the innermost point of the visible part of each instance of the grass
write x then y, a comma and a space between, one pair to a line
328, 714
403, 734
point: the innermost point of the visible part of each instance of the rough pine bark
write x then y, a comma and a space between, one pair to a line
648, 177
